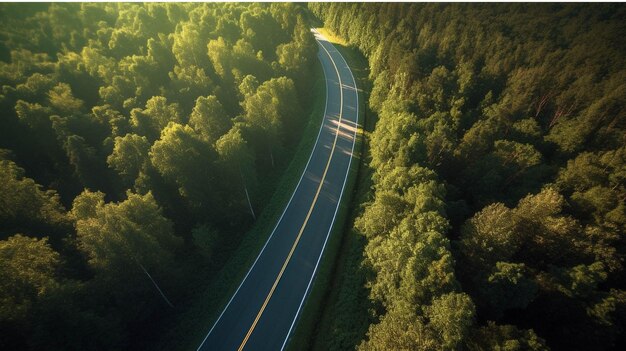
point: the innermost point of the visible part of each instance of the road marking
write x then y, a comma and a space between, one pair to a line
319, 188
345, 180
319, 133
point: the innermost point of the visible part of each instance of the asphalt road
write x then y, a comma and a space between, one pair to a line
262, 313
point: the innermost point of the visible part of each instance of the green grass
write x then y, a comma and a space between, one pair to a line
335, 314
192, 323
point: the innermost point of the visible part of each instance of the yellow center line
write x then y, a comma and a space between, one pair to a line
308, 215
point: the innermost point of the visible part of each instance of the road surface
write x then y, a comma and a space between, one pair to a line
263, 311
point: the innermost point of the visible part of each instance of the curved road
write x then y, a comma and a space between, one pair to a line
264, 309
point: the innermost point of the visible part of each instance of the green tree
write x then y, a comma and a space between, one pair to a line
25, 206
579, 281
209, 119
181, 156
117, 236
490, 236
236, 155
248, 86
34, 115
129, 156
124, 42
509, 286
28, 272
399, 331
269, 110
86, 165
451, 316
505, 338
188, 46
220, 55
396, 141
62, 100
188, 83
150, 121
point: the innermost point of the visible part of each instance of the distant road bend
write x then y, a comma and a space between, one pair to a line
263, 311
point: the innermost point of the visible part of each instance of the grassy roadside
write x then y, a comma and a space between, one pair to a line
192, 324
334, 316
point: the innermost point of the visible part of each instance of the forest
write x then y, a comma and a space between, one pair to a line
497, 213
133, 138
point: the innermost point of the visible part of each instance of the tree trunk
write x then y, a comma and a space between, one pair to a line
245, 189
155, 285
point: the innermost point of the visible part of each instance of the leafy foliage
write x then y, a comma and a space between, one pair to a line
516, 115
150, 122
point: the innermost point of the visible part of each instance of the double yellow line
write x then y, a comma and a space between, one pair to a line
308, 215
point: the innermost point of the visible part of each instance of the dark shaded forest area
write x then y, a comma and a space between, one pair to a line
133, 138
496, 220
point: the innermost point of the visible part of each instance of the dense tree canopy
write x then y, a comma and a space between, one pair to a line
28, 271
500, 128
149, 123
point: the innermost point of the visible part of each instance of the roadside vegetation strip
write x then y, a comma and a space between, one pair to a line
189, 328
322, 296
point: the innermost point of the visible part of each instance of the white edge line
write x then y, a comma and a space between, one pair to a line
281, 216
306, 293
